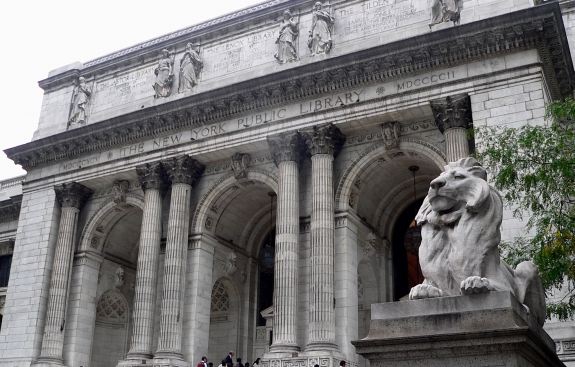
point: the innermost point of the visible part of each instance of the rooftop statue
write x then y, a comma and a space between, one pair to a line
286, 39
444, 11
319, 41
190, 67
459, 252
80, 99
164, 76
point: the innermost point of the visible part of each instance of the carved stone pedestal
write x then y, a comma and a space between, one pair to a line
488, 329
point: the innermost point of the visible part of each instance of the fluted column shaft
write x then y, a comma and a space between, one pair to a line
147, 271
324, 142
183, 172
286, 259
322, 321
456, 144
72, 197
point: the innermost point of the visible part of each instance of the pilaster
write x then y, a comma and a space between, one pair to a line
453, 117
81, 315
72, 197
198, 298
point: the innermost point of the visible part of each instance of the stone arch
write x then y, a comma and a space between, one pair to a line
225, 313
97, 227
220, 186
375, 151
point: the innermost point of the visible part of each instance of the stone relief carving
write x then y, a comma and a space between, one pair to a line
368, 245
319, 41
352, 199
390, 132
119, 190
288, 33
452, 111
95, 242
164, 76
80, 102
230, 263
190, 67
209, 223
444, 11
119, 277
240, 164
461, 218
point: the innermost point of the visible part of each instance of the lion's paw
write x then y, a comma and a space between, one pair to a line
423, 291
475, 284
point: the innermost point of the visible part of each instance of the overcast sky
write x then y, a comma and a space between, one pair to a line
37, 36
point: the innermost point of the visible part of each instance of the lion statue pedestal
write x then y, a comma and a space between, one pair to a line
472, 309
484, 329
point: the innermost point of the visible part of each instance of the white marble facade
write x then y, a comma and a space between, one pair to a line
144, 227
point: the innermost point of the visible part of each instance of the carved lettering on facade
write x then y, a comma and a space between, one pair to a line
426, 80
377, 16
124, 89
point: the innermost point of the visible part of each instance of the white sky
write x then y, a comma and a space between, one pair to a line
37, 36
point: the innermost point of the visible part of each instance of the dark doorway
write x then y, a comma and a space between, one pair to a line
406, 270
266, 275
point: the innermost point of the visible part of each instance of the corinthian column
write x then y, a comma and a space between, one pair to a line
152, 179
285, 149
72, 197
452, 116
323, 142
183, 172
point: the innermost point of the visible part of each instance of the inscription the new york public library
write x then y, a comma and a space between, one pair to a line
326, 103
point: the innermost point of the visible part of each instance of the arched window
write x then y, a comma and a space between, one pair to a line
220, 298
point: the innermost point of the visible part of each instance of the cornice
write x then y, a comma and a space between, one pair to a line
539, 27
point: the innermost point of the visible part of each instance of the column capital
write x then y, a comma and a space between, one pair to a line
183, 169
151, 176
286, 147
452, 111
323, 139
72, 194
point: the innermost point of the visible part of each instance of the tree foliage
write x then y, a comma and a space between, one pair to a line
534, 167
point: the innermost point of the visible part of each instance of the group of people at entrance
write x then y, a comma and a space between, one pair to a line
228, 362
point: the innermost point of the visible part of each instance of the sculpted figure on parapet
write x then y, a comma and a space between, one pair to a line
319, 41
190, 66
164, 76
80, 100
287, 51
443, 11
460, 223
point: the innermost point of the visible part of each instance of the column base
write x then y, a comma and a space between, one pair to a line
49, 362
320, 346
172, 361
322, 358
135, 362
284, 348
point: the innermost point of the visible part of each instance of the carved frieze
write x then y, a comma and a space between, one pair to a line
452, 111
533, 28
240, 164
390, 132
80, 103
368, 245
183, 169
286, 147
323, 139
286, 41
151, 176
190, 66
72, 194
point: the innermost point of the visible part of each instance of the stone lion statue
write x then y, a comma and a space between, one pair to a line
461, 218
